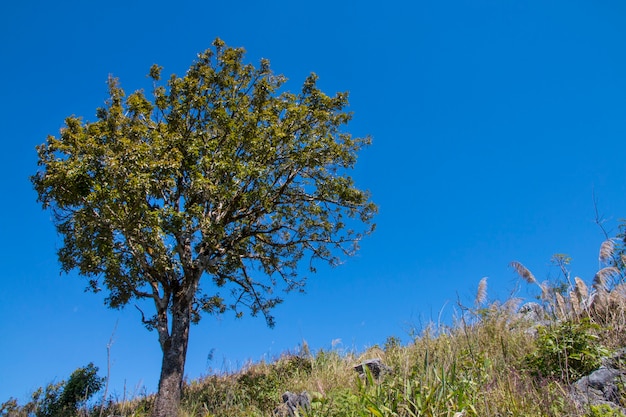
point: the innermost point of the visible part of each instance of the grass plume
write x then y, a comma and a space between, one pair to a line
481, 292
607, 249
523, 272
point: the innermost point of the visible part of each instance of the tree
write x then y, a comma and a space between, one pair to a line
204, 198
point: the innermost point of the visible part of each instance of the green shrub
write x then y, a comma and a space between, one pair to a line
61, 399
260, 388
566, 351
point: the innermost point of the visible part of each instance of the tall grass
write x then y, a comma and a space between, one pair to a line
492, 360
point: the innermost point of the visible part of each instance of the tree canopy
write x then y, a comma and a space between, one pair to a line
205, 196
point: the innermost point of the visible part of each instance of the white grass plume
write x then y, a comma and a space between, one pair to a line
607, 249
523, 272
581, 290
481, 292
560, 305
602, 277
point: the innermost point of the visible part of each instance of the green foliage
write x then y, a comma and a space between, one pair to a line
261, 388
48, 401
603, 410
62, 399
430, 392
566, 351
263, 385
10, 408
392, 343
220, 174
255, 389
82, 384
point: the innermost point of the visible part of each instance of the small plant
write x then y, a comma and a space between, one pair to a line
603, 410
566, 351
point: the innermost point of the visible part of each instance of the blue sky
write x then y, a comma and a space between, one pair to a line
494, 124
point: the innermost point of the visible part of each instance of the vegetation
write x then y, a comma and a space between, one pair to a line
62, 399
205, 197
492, 361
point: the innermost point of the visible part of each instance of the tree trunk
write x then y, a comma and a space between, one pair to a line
174, 349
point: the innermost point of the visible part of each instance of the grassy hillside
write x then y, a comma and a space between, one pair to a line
494, 360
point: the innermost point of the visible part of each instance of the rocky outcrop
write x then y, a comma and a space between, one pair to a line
603, 386
376, 367
292, 403
531, 315
532, 312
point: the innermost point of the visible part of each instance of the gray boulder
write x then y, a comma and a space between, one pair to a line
292, 403
604, 385
375, 366
530, 317
532, 312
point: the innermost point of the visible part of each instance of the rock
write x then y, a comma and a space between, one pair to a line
531, 316
376, 367
532, 312
291, 403
604, 385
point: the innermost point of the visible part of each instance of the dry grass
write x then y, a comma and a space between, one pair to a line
491, 361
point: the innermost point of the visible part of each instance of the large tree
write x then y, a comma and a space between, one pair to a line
205, 196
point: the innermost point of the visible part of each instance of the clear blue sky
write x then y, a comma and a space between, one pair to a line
494, 123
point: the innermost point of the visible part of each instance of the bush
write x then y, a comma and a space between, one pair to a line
566, 351
62, 399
